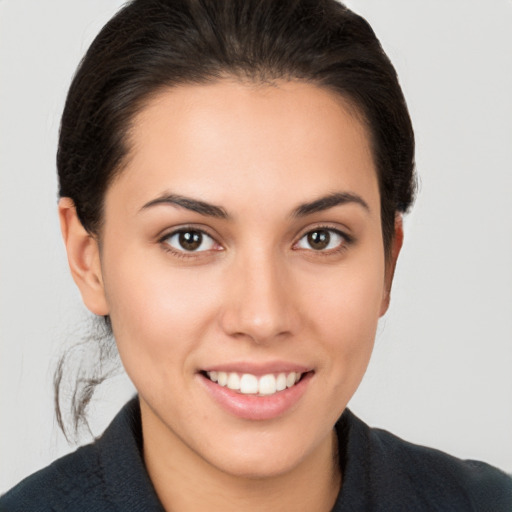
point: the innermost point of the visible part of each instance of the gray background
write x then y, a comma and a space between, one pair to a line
441, 374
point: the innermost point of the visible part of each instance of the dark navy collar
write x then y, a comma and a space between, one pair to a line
380, 472
127, 482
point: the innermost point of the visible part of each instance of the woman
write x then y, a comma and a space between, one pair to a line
232, 180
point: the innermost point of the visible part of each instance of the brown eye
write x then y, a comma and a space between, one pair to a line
190, 240
319, 239
322, 239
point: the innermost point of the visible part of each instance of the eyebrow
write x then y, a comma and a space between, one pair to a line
194, 205
329, 201
211, 210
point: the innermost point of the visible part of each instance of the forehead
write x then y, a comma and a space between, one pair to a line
228, 140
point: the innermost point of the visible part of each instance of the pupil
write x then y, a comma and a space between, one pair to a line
319, 239
190, 240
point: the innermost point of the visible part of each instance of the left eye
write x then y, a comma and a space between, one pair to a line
190, 240
321, 239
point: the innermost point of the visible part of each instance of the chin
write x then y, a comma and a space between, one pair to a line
268, 453
254, 466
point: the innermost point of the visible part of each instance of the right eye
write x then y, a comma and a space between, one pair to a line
190, 240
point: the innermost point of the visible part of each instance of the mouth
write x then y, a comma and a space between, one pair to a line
257, 394
250, 384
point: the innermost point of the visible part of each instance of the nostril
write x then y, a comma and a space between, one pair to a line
258, 305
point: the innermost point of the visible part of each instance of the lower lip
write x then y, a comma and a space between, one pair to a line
252, 407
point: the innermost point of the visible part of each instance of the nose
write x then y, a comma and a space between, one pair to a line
259, 302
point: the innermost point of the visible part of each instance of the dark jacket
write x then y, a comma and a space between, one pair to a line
380, 473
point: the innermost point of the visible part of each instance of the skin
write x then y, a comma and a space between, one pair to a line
258, 293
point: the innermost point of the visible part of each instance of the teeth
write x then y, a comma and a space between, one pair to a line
222, 378
249, 384
233, 381
267, 385
281, 382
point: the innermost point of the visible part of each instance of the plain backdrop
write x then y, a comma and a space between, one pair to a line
441, 374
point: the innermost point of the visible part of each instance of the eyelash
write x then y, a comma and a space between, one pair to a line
347, 240
164, 241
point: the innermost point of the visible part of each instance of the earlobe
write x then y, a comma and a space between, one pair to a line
83, 258
396, 246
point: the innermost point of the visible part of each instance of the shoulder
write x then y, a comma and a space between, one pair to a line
105, 476
441, 476
59, 486
406, 476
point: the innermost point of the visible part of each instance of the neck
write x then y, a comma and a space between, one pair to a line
185, 482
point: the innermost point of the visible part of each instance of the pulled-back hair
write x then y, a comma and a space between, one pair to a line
154, 44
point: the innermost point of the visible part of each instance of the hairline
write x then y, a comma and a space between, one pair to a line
250, 79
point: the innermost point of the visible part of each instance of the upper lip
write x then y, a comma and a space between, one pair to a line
258, 368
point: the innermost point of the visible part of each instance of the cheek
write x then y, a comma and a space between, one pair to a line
157, 312
350, 300
345, 312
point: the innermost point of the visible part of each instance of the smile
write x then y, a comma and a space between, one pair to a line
249, 384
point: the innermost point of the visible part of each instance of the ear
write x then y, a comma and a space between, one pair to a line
396, 245
83, 258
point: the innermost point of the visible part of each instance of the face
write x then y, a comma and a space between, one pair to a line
243, 268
